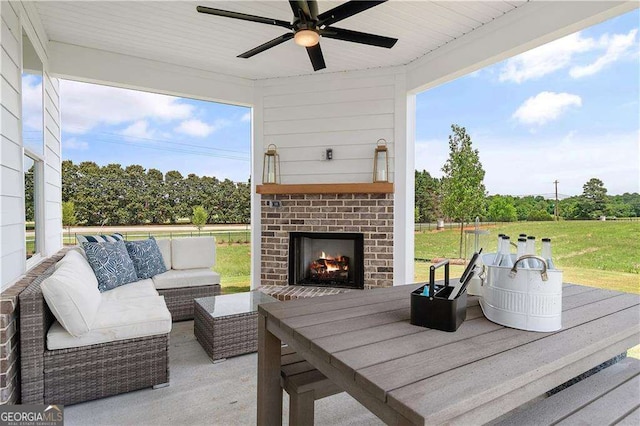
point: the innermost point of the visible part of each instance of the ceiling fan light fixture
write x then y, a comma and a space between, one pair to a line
306, 38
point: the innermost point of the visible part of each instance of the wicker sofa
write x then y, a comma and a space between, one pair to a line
189, 276
52, 373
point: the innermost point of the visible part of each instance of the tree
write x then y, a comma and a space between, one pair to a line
427, 200
199, 218
463, 191
539, 215
502, 210
29, 195
594, 195
69, 215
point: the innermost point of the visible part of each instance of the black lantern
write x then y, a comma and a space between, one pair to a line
381, 162
271, 166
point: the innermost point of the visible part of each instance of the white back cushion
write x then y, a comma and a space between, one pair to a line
196, 252
72, 293
165, 250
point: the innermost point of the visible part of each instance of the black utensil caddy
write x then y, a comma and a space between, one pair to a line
436, 310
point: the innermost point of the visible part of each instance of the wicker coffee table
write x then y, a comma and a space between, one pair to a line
227, 325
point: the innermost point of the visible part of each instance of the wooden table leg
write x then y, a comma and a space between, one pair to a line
269, 390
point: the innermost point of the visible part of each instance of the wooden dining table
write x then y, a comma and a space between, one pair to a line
405, 374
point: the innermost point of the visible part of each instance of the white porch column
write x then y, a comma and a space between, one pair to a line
257, 144
404, 143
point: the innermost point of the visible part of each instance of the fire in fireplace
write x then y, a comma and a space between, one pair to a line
326, 259
328, 269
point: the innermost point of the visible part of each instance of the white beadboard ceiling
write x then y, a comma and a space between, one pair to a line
173, 32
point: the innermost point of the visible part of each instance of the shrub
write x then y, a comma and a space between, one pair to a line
539, 215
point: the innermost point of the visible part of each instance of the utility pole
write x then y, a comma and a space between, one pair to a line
556, 210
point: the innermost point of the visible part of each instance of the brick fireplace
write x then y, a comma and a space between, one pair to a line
368, 213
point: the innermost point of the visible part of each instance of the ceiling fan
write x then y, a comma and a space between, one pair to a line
308, 26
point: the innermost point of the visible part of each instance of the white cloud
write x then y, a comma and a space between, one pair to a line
85, 106
616, 46
197, 128
564, 52
529, 165
545, 59
75, 144
545, 107
246, 117
32, 102
139, 129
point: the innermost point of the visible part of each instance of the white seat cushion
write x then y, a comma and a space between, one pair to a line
72, 294
142, 288
192, 253
117, 320
189, 278
165, 250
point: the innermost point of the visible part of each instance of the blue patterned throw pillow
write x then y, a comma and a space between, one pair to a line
146, 257
111, 264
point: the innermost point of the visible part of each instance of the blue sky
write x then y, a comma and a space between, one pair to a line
113, 125
567, 110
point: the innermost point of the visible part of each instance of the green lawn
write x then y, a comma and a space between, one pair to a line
233, 263
601, 254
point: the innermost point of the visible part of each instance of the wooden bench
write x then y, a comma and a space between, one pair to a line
610, 396
305, 385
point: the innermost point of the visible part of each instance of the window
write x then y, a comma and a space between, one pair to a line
32, 99
33, 144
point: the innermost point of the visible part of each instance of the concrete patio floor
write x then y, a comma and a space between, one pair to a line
204, 393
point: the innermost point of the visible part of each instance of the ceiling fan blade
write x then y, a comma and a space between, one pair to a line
358, 37
244, 16
268, 45
317, 59
345, 10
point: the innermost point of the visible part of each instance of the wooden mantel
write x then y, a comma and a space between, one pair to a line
326, 188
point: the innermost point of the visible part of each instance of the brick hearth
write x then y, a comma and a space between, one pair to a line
371, 214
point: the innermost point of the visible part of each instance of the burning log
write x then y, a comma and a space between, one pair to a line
330, 269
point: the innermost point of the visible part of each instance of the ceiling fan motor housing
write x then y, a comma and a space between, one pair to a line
308, 26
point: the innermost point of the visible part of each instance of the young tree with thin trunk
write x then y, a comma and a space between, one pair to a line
463, 190
69, 215
199, 218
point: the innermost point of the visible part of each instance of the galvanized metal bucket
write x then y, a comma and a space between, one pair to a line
524, 298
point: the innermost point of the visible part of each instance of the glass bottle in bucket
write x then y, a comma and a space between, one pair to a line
522, 250
531, 249
505, 252
546, 253
496, 260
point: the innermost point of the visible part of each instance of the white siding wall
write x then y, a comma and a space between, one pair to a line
347, 112
12, 254
12, 234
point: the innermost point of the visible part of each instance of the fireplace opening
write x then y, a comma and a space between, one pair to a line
326, 259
